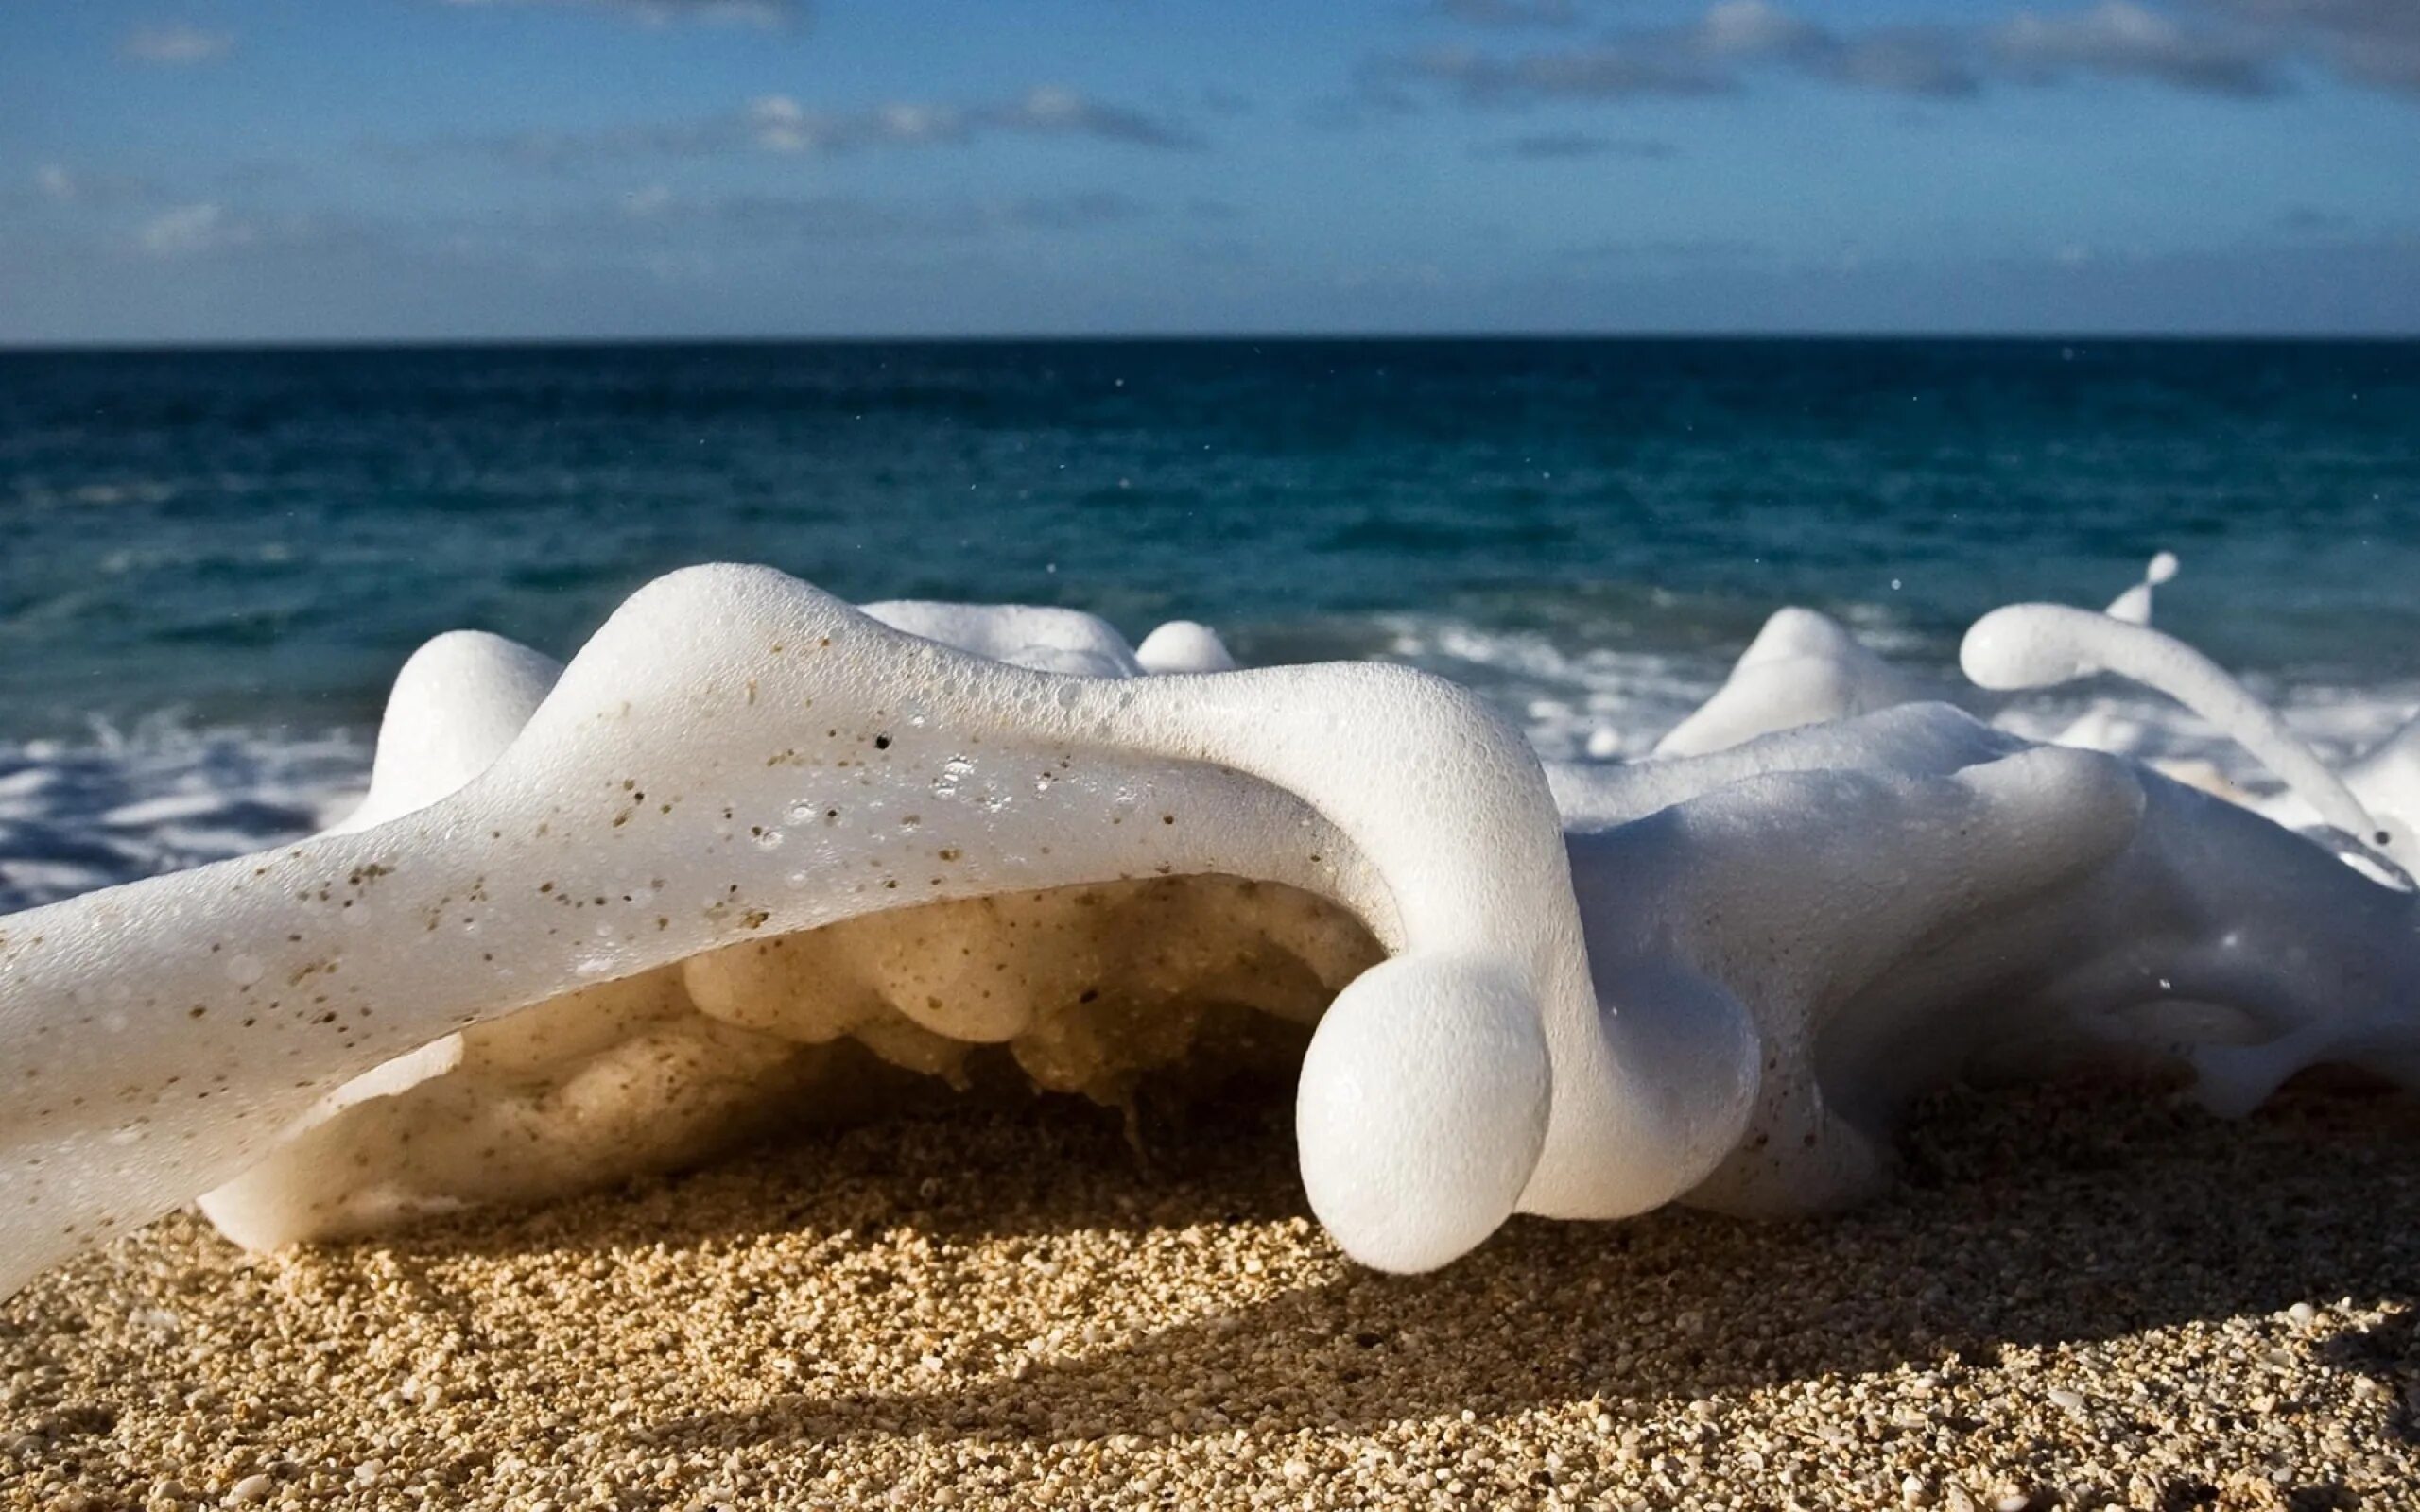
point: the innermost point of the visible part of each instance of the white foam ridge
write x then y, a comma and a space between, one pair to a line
754, 853
2035, 645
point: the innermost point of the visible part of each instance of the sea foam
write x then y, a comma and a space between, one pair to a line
608, 916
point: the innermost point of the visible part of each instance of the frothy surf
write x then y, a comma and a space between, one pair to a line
165, 793
603, 918
78, 814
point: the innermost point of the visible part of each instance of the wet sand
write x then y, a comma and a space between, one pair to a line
2085, 1298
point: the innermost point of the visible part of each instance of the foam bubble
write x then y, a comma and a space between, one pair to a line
553, 945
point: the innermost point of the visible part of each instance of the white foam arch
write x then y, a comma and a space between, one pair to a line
1713, 978
168, 1030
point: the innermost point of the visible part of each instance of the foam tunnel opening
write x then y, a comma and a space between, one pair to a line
1195, 983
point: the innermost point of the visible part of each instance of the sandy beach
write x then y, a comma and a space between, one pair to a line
2079, 1298
766, 756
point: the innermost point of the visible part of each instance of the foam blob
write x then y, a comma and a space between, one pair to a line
1891, 898
1803, 669
1182, 646
2133, 605
1046, 639
456, 705
1888, 901
1368, 1050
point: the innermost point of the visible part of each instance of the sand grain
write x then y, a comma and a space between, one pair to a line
2081, 1299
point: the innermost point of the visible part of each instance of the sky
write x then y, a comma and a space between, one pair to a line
291, 170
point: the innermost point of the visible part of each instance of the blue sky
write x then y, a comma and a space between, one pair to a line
426, 170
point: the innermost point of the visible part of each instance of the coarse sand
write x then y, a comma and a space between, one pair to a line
2084, 1297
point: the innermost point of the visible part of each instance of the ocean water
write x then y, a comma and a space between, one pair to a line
214, 561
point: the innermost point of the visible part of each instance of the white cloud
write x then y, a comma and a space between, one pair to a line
1710, 55
1755, 29
1605, 73
1051, 109
768, 14
189, 229
2239, 49
902, 121
2375, 43
61, 184
779, 123
659, 212
175, 45
2119, 37
783, 123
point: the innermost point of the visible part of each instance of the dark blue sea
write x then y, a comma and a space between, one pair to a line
214, 561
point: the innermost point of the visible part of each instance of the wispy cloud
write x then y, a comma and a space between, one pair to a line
1564, 146
779, 123
2121, 38
828, 218
215, 228
1709, 56
786, 125
175, 45
1687, 250
207, 227
2242, 50
2376, 43
768, 14
62, 185
1610, 71
1051, 109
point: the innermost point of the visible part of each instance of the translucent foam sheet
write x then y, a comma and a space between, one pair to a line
736, 755
607, 920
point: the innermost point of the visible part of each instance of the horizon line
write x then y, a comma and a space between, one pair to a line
306, 344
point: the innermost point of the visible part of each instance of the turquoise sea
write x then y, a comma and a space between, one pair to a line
215, 559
